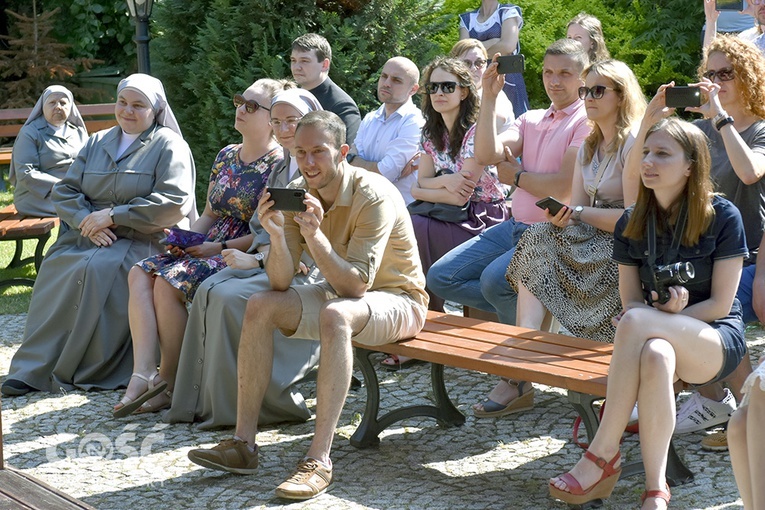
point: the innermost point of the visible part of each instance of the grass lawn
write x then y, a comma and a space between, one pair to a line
16, 299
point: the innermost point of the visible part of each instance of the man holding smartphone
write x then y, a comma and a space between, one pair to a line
360, 235
547, 142
388, 138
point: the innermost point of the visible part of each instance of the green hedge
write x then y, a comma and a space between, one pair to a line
207, 50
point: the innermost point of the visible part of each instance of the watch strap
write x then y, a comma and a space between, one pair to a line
719, 124
518, 178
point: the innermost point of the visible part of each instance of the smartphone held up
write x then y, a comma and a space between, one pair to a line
683, 97
287, 199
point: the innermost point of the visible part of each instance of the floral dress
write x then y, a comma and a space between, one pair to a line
236, 189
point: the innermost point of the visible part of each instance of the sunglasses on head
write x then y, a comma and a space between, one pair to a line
477, 63
595, 92
447, 87
726, 74
249, 105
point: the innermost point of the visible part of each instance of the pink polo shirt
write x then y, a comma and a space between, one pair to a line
546, 135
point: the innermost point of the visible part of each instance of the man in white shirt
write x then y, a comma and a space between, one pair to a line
390, 136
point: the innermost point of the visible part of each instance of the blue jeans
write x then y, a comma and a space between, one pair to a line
744, 294
473, 273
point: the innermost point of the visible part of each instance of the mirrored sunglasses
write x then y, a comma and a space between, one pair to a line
726, 74
595, 92
447, 87
249, 105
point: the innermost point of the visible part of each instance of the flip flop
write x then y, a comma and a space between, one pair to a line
128, 405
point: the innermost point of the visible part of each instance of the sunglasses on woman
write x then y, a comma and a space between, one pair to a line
249, 105
726, 74
447, 87
478, 63
595, 92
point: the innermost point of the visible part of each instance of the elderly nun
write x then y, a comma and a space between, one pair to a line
206, 383
126, 185
46, 145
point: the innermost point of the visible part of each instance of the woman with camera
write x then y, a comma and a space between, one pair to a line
696, 336
732, 75
162, 285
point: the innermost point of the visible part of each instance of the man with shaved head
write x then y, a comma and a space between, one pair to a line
389, 137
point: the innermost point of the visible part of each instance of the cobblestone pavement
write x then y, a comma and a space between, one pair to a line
71, 442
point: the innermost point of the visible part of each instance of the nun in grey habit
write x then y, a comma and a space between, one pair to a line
126, 185
46, 145
206, 383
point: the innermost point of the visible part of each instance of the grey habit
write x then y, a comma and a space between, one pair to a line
206, 384
41, 157
77, 333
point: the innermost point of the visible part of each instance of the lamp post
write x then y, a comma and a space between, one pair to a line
140, 10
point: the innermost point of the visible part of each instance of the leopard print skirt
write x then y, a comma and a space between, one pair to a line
570, 270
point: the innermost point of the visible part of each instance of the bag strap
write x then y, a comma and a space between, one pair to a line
593, 190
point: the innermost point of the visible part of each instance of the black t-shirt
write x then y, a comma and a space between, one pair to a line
723, 239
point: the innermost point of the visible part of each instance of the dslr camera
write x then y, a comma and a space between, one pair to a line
666, 276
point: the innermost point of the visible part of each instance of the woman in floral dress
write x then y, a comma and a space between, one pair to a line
162, 285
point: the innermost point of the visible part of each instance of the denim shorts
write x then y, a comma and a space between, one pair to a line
731, 330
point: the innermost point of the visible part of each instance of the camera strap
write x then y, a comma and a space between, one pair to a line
677, 236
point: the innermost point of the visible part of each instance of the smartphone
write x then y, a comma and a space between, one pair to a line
511, 64
287, 199
729, 5
682, 97
550, 203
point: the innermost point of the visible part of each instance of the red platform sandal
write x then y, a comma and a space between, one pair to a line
602, 489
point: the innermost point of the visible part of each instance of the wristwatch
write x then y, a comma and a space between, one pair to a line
223, 245
577, 213
722, 119
518, 178
259, 256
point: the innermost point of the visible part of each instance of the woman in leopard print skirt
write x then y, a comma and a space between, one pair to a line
563, 267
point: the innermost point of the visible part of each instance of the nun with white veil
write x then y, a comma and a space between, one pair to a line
206, 383
126, 185
46, 145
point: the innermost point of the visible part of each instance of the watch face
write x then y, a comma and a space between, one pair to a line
260, 256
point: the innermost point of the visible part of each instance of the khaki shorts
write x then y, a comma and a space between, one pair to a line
392, 317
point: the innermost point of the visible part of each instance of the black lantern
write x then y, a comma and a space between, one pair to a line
140, 10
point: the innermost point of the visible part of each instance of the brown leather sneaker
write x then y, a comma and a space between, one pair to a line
310, 480
232, 455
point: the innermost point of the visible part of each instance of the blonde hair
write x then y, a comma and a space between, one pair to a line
631, 107
594, 28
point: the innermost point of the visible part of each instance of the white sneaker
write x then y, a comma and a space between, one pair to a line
700, 413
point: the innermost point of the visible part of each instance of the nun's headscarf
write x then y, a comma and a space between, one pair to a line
302, 100
154, 92
74, 115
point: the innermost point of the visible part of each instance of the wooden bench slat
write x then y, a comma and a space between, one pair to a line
560, 347
496, 327
476, 350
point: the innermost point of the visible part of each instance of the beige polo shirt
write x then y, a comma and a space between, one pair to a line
369, 227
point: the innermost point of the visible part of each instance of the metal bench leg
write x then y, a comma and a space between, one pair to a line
16, 260
677, 472
368, 431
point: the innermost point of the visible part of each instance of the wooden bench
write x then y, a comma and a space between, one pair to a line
96, 116
17, 227
577, 365
20, 491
